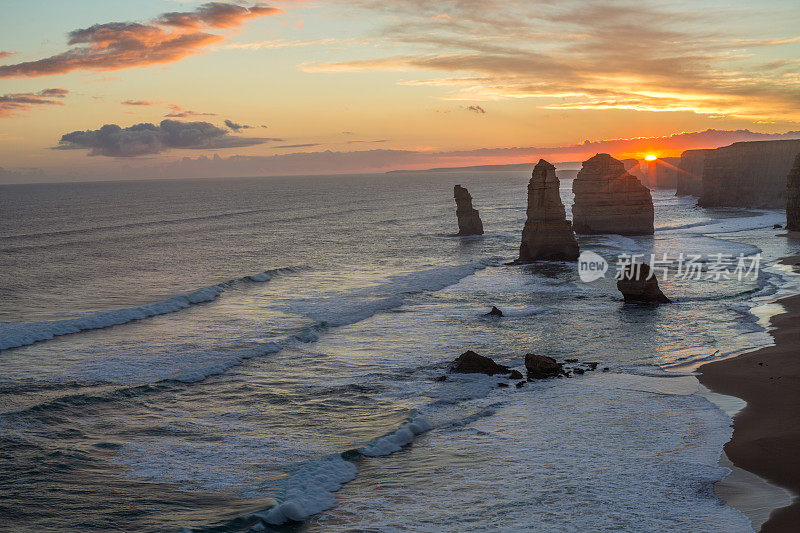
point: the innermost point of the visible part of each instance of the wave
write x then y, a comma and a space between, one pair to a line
16, 334
310, 489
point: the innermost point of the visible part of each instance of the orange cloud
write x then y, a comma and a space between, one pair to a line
12, 103
121, 45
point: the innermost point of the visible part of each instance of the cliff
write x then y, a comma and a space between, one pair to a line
609, 200
793, 197
469, 220
748, 174
660, 174
690, 173
547, 234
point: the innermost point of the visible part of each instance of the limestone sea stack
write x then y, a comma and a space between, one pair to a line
690, 173
610, 200
637, 285
469, 220
793, 197
547, 235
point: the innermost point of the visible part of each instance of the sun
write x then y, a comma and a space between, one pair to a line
650, 157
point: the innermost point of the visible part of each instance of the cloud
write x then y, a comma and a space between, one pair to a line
3, 54
147, 139
296, 145
119, 45
215, 15
609, 54
138, 102
10, 104
233, 126
179, 112
368, 142
477, 109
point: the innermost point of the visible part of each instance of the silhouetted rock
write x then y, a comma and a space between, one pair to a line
578, 370
501, 384
469, 220
748, 174
610, 200
637, 285
690, 173
441, 378
494, 312
471, 363
661, 173
541, 366
520, 384
547, 235
793, 197
515, 374
777, 226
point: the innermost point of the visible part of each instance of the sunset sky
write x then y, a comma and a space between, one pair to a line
368, 85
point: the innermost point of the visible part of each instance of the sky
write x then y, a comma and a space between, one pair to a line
114, 89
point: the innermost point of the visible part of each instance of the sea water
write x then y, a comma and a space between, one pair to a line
249, 354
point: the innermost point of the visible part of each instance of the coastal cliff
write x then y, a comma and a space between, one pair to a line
793, 197
547, 234
469, 220
610, 200
690, 173
748, 174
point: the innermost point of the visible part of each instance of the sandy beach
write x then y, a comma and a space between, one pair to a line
766, 435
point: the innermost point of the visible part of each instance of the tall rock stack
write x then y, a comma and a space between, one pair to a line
690, 173
469, 220
793, 197
547, 235
609, 200
748, 174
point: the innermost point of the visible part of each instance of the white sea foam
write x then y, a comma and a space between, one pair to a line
15, 334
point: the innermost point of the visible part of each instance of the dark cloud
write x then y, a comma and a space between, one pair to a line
233, 126
14, 102
368, 142
296, 145
476, 109
215, 15
147, 139
120, 45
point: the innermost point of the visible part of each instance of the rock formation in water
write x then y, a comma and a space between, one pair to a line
610, 200
547, 235
469, 220
470, 362
661, 173
495, 312
690, 173
748, 174
541, 366
793, 197
637, 285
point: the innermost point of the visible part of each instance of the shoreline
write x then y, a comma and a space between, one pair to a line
766, 431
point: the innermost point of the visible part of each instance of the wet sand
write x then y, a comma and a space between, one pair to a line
766, 432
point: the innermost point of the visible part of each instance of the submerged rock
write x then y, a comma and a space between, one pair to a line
793, 197
638, 285
515, 374
469, 220
610, 200
494, 312
470, 362
547, 235
541, 366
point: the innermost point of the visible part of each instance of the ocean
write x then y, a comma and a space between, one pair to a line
262, 354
